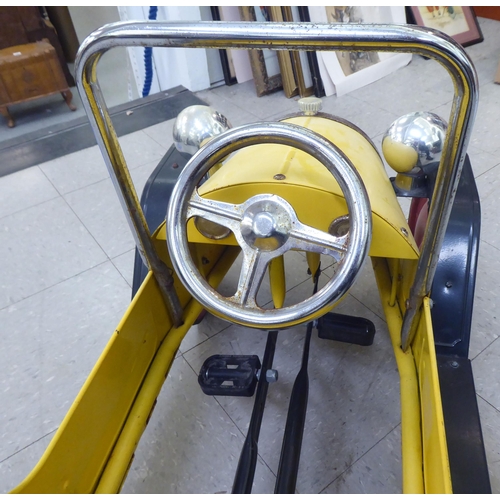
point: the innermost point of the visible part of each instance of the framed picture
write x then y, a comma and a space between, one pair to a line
345, 71
458, 22
265, 66
312, 58
225, 55
299, 58
285, 58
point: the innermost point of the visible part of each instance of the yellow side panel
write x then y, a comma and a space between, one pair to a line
437, 478
411, 439
76, 456
79, 452
317, 208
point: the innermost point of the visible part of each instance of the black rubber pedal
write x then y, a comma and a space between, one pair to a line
350, 329
229, 375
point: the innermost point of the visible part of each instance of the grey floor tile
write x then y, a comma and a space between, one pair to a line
350, 388
488, 48
125, 265
141, 174
50, 342
487, 185
234, 113
190, 444
365, 289
486, 369
377, 472
490, 426
485, 321
98, 207
139, 148
76, 170
86, 167
161, 133
368, 116
262, 107
481, 161
485, 134
24, 189
41, 252
15, 468
208, 327
420, 86
486, 69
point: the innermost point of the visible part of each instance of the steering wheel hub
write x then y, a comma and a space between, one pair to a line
266, 223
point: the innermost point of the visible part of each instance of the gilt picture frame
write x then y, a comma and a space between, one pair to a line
458, 22
265, 83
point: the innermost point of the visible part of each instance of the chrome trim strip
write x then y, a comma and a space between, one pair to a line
285, 36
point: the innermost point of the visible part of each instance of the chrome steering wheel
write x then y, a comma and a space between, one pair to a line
266, 226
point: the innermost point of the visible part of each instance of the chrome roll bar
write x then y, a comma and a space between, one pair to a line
288, 36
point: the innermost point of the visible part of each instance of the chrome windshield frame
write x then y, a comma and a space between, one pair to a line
287, 36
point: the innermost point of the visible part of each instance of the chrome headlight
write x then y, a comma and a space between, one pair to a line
414, 140
195, 124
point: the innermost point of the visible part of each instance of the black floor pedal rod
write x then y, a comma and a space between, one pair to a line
294, 429
245, 471
288, 469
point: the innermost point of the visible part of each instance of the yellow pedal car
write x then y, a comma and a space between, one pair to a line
249, 197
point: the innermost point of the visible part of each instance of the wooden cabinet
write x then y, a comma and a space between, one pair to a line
30, 71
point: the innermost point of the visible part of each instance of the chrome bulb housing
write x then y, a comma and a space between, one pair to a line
196, 124
414, 140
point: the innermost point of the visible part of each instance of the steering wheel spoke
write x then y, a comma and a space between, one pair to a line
252, 273
226, 214
309, 239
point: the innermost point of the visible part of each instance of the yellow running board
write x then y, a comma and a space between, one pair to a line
425, 460
93, 448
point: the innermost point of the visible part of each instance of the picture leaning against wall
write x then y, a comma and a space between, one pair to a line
342, 71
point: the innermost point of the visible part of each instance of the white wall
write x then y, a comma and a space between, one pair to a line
171, 67
114, 69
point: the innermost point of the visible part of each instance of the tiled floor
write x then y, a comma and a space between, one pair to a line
67, 269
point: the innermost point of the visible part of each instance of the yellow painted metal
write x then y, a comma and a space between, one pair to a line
277, 280
311, 189
386, 241
72, 464
400, 157
411, 439
404, 181
313, 261
424, 453
395, 277
128, 368
437, 477
118, 464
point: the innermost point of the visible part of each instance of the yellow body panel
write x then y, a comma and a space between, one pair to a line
435, 452
311, 189
424, 453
